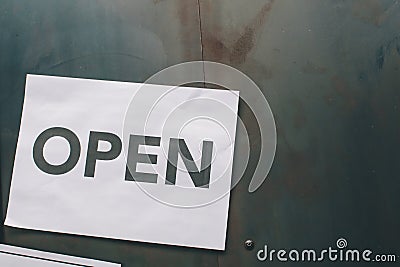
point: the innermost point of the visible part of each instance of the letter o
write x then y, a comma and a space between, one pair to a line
69, 164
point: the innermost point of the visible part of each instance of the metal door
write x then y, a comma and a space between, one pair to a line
329, 70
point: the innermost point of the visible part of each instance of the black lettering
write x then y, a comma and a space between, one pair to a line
69, 164
93, 154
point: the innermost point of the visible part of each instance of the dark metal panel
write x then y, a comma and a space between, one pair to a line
329, 70
114, 40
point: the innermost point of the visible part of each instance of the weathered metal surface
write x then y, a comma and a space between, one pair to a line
329, 69
114, 40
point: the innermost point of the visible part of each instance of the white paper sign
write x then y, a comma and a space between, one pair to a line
121, 160
11, 256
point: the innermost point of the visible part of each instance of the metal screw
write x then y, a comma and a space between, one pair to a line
249, 244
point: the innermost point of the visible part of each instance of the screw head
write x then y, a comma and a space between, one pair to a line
249, 244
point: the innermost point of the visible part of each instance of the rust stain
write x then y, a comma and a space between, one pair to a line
185, 14
215, 42
242, 47
370, 11
215, 49
183, 11
260, 19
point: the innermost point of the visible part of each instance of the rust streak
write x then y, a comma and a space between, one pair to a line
236, 53
185, 17
372, 11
